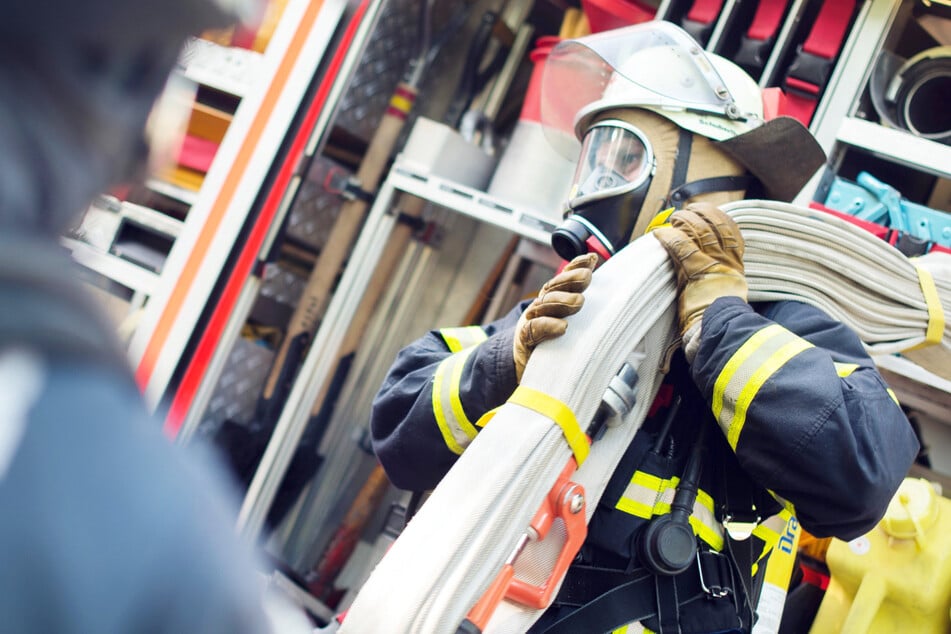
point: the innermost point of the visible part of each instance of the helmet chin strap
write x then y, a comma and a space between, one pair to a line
682, 191
708, 185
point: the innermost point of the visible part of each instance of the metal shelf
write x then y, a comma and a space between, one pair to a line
473, 203
232, 70
916, 387
172, 191
897, 146
115, 268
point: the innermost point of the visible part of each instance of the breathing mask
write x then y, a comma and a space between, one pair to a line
607, 192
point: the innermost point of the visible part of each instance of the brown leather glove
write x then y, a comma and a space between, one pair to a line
706, 248
544, 318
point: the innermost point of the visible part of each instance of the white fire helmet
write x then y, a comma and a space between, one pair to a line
655, 66
659, 67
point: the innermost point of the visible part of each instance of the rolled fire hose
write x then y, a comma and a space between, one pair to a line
913, 94
460, 539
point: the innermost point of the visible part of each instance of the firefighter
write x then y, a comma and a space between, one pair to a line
768, 412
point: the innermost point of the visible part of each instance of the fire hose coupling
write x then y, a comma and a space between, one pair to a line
617, 401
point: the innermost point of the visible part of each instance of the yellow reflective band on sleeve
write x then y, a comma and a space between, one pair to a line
759, 358
845, 369
461, 338
647, 495
891, 393
935, 330
558, 412
455, 427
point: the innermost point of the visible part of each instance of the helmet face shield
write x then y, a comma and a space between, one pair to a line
615, 158
652, 65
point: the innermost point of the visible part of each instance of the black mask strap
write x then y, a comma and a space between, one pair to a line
684, 145
706, 185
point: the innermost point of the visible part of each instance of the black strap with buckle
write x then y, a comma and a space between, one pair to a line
811, 70
608, 598
752, 54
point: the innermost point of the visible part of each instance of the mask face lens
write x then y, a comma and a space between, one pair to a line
614, 160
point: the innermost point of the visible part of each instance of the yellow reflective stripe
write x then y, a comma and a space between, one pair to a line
891, 393
632, 628
461, 338
935, 330
561, 414
786, 504
457, 431
746, 372
845, 369
642, 493
780, 565
647, 495
779, 534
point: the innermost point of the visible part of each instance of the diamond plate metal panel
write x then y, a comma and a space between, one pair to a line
236, 395
282, 285
315, 209
386, 57
389, 50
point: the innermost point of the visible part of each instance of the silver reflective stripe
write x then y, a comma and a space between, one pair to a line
647, 495
461, 338
748, 369
456, 428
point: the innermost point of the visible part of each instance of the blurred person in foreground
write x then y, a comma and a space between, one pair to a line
107, 527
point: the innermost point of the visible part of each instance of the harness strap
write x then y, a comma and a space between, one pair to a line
610, 598
684, 146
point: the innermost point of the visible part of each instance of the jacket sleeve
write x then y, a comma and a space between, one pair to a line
425, 413
806, 411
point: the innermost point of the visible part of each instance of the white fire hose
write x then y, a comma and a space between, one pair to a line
460, 539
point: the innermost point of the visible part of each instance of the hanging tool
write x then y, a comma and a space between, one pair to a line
668, 545
247, 443
410, 212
